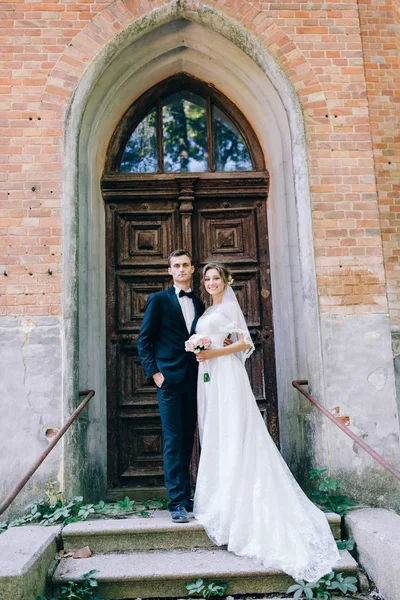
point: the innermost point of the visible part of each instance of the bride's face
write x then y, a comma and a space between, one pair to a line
214, 283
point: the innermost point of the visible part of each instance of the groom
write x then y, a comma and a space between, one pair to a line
169, 320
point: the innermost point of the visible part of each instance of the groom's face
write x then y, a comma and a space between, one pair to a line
181, 269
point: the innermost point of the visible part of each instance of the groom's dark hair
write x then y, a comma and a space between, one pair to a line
180, 252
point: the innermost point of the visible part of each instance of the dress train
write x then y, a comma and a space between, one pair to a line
246, 497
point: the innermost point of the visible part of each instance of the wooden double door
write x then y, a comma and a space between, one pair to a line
217, 218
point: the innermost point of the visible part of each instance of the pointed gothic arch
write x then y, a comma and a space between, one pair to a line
172, 42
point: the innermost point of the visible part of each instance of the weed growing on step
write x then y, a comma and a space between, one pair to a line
199, 588
328, 493
85, 589
149, 506
55, 509
346, 544
336, 584
4, 526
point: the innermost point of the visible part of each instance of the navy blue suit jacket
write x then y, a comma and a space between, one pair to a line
162, 337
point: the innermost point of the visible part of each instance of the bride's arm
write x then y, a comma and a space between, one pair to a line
215, 352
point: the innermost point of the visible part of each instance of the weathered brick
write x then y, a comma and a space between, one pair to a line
343, 62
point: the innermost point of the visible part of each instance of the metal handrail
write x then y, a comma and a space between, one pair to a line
11, 497
382, 461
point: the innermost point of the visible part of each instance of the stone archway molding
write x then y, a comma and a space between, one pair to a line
211, 46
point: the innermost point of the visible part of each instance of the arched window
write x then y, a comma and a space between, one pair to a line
183, 126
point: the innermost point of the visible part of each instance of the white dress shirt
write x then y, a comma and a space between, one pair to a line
187, 307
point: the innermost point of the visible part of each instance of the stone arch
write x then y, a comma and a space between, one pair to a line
115, 18
213, 47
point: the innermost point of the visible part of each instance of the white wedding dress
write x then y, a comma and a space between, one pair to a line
246, 497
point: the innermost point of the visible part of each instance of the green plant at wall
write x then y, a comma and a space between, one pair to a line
85, 589
53, 508
200, 588
336, 584
328, 494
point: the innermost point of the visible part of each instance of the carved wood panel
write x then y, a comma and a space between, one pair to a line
132, 293
143, 238
227, 234
222, 220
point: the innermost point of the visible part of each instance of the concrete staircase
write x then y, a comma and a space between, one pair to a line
155, 558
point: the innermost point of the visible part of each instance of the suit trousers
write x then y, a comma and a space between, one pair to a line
178, 411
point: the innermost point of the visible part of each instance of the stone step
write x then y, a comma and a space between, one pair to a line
165, 573
144, 533
26, 554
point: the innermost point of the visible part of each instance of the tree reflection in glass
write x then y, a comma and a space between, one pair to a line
140, 155
231, 153
185, 139
185, 133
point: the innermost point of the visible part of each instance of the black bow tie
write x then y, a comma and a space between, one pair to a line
188, 294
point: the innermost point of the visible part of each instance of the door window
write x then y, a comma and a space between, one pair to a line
140, 155
184, 125
231, 152
185, 133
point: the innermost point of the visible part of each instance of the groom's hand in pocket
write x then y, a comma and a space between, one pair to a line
158, 379
228, 341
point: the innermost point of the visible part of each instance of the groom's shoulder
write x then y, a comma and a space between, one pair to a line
159, 296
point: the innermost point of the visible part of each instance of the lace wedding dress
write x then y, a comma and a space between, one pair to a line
246, 497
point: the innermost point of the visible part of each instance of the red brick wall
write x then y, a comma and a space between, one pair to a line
380, 30
351, 110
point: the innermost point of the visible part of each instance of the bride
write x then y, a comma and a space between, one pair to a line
246, 497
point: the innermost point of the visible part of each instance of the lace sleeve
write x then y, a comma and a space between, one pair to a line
237, 325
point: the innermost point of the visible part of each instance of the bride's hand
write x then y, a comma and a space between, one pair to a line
204, 355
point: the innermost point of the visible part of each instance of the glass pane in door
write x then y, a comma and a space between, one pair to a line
231, 152
140, 154
184, 116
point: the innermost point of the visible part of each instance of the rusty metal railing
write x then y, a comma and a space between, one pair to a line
11, 497
379, 459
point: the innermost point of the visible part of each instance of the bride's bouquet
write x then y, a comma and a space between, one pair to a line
196, 343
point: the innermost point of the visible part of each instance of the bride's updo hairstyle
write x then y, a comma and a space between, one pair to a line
222, 270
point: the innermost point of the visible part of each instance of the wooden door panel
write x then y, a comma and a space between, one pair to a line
139, 241
145, 239
231, 229
246, 286
141, 459
226, 222
132, 294
227, 234
255, 370
140, 462
134, 389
